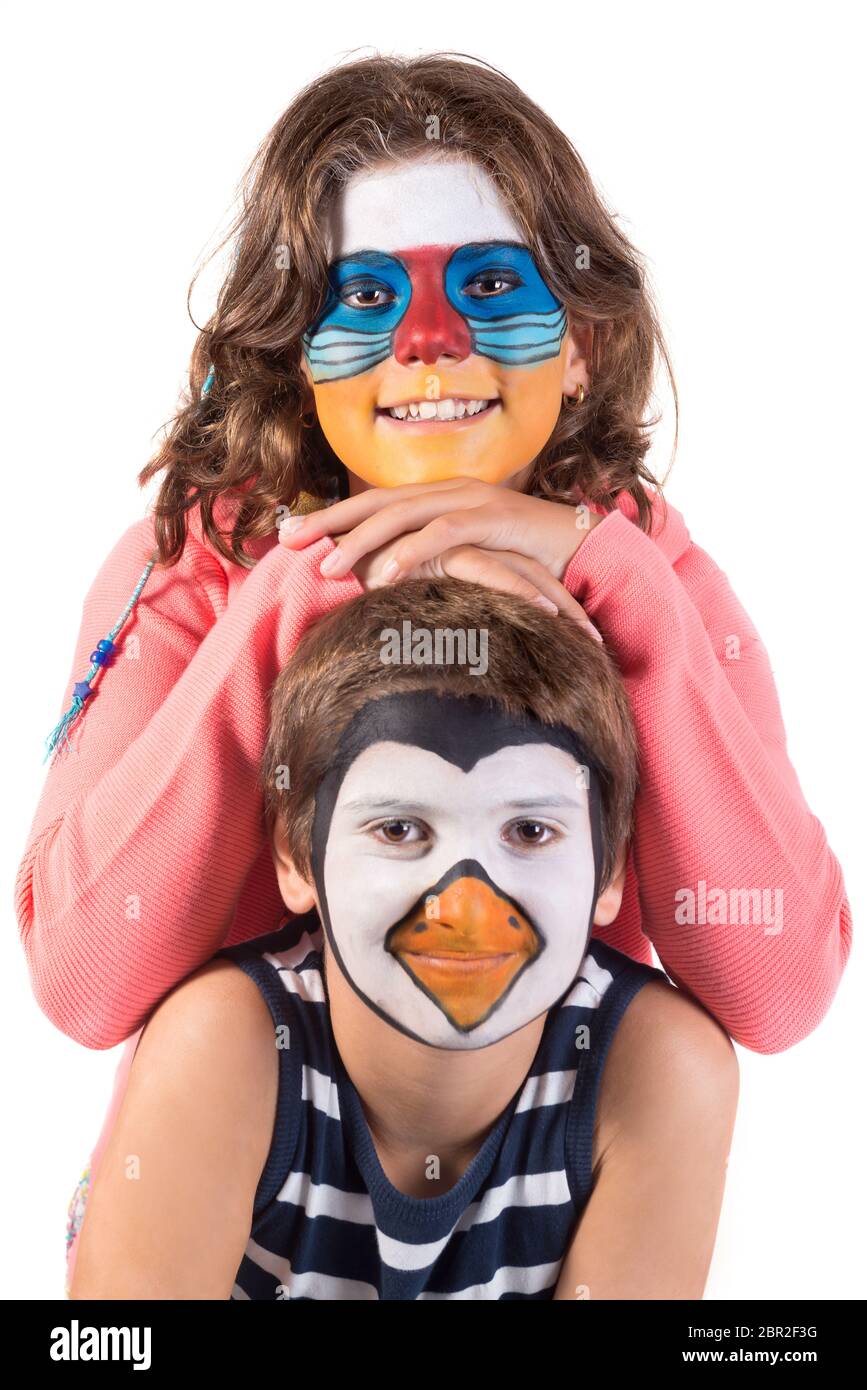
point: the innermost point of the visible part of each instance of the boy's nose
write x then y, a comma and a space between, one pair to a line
431, 328
466, 949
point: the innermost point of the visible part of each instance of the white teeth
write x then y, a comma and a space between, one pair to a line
449, 409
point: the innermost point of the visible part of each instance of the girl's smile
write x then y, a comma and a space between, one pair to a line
424, 416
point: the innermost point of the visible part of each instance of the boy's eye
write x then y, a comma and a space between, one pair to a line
527, 834
367, 294
488, 284
398, 832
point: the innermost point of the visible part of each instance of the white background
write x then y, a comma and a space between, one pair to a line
729, 139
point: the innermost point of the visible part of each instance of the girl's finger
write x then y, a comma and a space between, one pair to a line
295, 532
551, 587
473, 525
404, 518
488, 568
514, 574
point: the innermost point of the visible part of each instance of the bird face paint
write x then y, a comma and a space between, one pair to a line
440, 350
454, 856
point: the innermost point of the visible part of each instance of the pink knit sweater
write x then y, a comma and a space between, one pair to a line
147, 852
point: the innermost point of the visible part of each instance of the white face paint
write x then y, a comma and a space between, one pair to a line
497, 948
421, 202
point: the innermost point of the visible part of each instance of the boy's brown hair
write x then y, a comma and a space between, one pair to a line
538, 664
247, 442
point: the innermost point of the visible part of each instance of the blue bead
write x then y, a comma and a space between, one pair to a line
105, 645
99, 658
82, 690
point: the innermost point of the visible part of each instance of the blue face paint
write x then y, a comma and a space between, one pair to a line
519, 324
355, 332
516, 326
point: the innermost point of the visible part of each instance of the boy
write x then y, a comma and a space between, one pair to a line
431, 1083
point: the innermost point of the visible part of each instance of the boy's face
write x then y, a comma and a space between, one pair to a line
454, 857
435, 301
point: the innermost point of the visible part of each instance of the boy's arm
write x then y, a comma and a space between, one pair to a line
664, 1123
170, 1210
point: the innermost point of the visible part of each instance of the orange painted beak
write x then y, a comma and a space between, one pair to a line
467, 956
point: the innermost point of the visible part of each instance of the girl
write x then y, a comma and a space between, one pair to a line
432, 315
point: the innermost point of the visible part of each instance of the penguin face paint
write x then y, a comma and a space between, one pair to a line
440, 350
454, 855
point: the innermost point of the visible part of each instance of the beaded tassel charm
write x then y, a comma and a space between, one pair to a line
101, 656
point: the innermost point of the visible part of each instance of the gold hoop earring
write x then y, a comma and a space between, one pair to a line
575, 400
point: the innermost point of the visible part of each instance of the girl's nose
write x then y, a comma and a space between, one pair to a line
430, 328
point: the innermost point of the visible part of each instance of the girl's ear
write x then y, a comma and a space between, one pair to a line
576, 360
609, 900
296, 892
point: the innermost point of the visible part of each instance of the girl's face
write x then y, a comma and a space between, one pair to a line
440, 352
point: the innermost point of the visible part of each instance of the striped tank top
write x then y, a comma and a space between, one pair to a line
328, 1223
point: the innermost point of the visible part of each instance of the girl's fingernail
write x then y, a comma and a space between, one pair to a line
548, 604
291, 525
330, 563
593, 631
391, 570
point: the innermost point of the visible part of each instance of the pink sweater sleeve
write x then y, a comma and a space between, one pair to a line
150, 823
720, 805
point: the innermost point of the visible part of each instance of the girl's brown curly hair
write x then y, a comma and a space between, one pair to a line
250, 440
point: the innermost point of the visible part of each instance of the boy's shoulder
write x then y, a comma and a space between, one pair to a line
670, 1063
217, 1015
211, 1041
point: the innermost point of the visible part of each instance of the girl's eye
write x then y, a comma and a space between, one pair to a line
367, 295
398, 832
491, 283
527, 834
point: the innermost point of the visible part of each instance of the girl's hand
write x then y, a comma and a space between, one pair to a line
504, 570
424, 523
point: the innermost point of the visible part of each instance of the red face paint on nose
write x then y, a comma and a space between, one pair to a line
430, 328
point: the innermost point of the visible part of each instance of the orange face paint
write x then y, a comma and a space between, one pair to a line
467, 957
